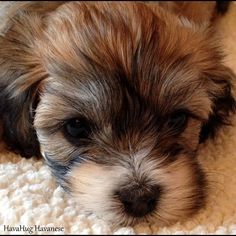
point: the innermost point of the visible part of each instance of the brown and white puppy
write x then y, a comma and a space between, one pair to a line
116, 97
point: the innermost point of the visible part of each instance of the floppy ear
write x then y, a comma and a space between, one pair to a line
17, 120
20, 77
21, 72
224, 104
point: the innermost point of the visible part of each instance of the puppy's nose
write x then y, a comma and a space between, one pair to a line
138, 203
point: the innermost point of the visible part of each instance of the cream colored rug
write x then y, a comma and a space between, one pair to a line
31, 202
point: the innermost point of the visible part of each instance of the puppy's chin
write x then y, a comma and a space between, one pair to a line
181, 193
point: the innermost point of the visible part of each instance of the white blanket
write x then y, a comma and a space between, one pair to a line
31, 201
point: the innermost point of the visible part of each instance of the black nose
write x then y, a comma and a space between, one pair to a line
139, 202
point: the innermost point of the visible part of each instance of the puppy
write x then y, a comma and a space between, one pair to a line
117, 98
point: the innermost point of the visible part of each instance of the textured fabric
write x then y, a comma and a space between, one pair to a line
29, 195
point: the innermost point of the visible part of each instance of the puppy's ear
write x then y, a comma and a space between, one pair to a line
224, 104
21, 72
20, 78
17, 118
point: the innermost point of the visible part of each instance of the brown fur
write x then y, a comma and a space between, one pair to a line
125, 68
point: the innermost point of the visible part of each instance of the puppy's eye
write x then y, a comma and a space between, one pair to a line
78, 128
178, 121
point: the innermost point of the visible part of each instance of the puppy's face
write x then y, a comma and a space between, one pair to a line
120, 116
121, 112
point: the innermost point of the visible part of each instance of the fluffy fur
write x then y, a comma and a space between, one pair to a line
124, 70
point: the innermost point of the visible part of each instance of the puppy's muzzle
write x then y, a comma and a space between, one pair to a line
139, 201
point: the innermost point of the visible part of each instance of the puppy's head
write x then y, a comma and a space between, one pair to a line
124, 98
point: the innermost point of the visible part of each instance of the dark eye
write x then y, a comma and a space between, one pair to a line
78, 128
178, 121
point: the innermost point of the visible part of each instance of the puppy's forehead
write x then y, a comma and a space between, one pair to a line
108, 49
